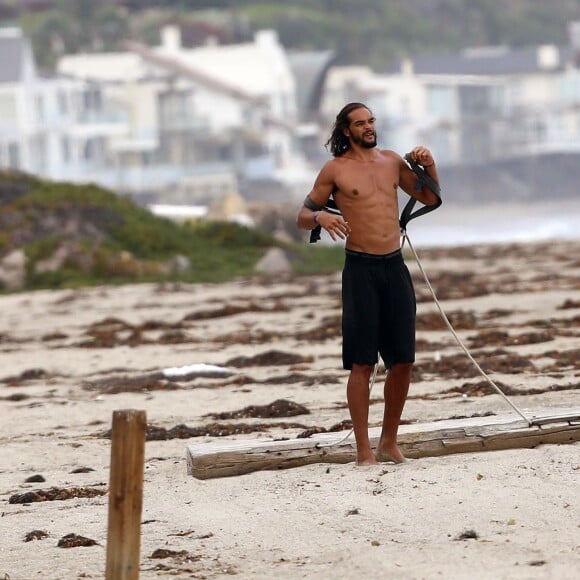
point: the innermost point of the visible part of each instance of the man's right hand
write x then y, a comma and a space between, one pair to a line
334, 224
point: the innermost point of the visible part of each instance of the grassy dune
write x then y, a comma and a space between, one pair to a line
76, 235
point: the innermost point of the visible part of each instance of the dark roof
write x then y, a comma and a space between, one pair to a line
310, 70
488, 61
12, 51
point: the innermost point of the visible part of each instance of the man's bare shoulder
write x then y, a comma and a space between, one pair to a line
390, 154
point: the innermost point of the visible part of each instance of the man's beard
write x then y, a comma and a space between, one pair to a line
363, 143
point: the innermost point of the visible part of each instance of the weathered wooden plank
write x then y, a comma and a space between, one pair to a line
223, 459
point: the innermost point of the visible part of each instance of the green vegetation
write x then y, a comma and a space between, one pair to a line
311, 259
360, 32
76, 235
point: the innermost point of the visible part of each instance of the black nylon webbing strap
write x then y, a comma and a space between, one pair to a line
424, 180
406, 215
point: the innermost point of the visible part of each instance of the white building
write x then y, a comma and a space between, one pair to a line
48, 126
212, 114
475, 106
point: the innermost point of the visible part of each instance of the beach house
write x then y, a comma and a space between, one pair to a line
474, 106
49, 126
203, 121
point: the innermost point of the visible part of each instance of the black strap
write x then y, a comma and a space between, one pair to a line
407, 214
424, 180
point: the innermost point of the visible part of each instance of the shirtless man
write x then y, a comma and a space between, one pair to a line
378, 297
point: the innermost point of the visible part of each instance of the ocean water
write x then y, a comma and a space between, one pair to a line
457, 225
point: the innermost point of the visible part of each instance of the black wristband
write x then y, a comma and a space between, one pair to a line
312, 205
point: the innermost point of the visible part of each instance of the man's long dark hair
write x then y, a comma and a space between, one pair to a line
338, 142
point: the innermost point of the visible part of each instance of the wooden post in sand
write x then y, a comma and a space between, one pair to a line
125, 495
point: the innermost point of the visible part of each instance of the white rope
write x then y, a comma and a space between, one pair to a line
458, 340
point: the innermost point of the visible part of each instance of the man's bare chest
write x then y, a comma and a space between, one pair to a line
365, 181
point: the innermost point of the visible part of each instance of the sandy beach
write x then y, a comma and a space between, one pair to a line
70, 358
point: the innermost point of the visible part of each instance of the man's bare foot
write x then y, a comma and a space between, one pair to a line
392, 454
366, 460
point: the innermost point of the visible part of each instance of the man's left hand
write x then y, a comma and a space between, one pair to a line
422, 155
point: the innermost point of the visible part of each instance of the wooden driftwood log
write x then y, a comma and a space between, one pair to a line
223, 459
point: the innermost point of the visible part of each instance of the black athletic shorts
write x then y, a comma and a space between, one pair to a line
378, 310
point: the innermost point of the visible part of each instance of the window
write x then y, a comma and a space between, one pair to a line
62, 103
40, 113
65, 148
7, 108
569, 88
13, 156
441, 102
